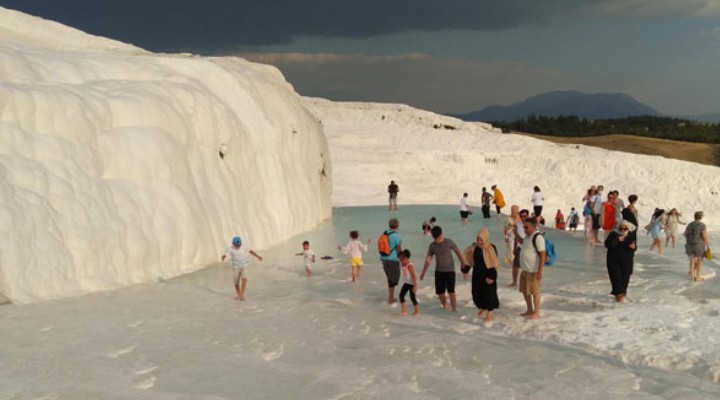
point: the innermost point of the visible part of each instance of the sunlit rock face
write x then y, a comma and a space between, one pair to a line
119, 166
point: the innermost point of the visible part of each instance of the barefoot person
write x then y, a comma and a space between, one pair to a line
410, 284
484, 263
532, 262
657, 225
393, 190
464, 208
498, 199
354, 249
621, 246
673, 222
442, 249
696, 244
308, 258
390, 261
238, 255
519, 233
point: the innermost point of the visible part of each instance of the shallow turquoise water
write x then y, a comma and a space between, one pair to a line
327, 338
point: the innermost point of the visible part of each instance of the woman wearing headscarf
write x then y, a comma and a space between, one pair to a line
621, 245
485, 264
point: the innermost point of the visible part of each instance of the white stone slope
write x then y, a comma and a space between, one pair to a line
110, 171
435, 158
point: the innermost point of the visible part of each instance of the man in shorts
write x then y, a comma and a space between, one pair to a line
519, 233
442, 249
532, 262
393, 190
391, 262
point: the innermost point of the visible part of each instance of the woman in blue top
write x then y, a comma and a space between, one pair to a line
656, 227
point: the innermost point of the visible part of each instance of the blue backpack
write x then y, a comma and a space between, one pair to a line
550, 254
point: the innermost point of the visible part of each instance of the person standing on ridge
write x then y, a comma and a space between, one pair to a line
393, 190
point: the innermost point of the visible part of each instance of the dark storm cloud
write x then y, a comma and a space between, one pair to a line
218, 26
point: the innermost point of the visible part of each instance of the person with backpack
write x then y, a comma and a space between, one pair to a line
696, 246
532, 262
389, 247
621, 245
573, 220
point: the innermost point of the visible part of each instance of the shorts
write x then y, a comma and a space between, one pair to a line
596, 222
356, 261
516, 257
464, 214
695, 250
308, 268
392, 272
572, 225
238, 274
444, 281
529, 285
392, 199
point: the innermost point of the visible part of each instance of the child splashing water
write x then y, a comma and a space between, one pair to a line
239, 260
354, 249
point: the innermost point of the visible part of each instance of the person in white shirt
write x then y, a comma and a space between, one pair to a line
537, 201
238, 255
519, 236
354, 249
532, 261
308, 257
464, 208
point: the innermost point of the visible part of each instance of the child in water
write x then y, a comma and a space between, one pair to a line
407, 270
354, 249
239, 260
308, 256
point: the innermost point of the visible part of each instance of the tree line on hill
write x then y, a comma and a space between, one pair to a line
646, 126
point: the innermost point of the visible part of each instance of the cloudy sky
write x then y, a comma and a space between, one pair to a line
450, 56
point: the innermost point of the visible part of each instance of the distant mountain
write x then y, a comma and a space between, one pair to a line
555, 104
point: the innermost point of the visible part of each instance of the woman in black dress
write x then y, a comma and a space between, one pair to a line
621, 245
484, 276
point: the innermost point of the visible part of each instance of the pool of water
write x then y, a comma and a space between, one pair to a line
329, 338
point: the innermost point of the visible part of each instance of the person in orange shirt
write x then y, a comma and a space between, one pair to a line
607, 216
